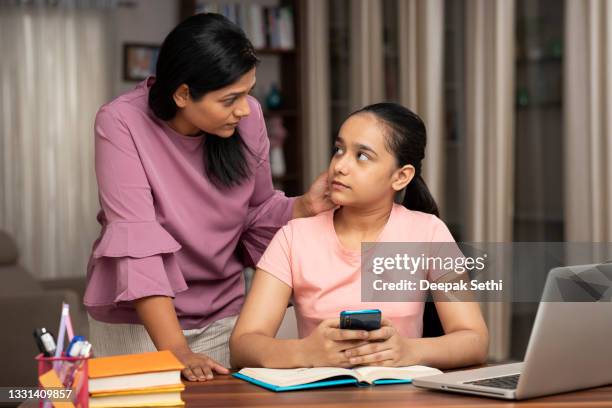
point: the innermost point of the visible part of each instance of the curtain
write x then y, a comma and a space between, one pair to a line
53, 77
588, 121
421, 79
490, 141
366, 54
316, 88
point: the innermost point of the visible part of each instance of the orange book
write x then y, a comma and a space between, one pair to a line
134, 371
133, 364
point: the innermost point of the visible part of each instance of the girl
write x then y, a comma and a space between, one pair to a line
316, 262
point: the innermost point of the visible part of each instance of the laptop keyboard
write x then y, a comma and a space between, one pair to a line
507, 382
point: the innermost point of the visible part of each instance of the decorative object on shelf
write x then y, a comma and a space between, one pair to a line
274, 99
531, 31
277, 134
556, 48
522, 97
139, 61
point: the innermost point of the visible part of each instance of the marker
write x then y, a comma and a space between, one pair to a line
74, 348
45, 342
85, 350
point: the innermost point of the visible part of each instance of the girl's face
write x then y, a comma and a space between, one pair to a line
362, 172
217, 112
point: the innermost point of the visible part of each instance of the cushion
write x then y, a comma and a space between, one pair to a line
8, 249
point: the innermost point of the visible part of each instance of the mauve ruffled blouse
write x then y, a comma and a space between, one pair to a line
166, 228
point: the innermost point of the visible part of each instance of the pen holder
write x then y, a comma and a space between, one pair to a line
69, 374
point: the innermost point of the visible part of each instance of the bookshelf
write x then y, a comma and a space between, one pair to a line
538, 206
455, 116
281, 63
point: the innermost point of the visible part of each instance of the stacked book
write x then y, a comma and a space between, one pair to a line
135, 380
266, 27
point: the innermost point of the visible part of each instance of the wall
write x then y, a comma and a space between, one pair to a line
149, 21
145, 21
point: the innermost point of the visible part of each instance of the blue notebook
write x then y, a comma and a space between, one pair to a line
293, 379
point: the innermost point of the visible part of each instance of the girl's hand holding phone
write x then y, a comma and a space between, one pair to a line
326, 345
385, 348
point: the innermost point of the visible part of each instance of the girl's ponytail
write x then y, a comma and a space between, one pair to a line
418, 198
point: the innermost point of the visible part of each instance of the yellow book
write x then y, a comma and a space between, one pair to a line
147, 390
144, 397
154, 399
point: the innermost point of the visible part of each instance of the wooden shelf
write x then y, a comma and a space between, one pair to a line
275, 51
286, 177
280, 112
545, 59
540, 105
340, 103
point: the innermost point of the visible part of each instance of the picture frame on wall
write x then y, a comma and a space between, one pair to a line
139, 61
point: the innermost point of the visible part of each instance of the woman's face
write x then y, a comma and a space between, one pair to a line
218, 112
362, 171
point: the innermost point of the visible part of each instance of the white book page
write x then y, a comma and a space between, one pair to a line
370, 374
131, 381
285, 377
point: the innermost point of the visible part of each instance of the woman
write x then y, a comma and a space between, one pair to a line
317, 262
187, 200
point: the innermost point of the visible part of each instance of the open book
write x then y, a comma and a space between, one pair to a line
303, 378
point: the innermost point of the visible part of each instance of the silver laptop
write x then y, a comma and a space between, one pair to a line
570, 347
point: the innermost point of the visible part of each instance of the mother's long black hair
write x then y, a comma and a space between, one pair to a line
206, 52
406, 139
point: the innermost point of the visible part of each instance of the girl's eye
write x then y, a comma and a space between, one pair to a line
229, 102
362, 157
338, 150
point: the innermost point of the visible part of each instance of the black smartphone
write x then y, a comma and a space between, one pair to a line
360, 319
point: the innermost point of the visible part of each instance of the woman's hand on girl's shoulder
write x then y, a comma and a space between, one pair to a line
316, 200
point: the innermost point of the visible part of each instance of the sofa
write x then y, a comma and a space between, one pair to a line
25, 304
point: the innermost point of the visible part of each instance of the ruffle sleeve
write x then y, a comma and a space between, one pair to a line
136, 239
133, 260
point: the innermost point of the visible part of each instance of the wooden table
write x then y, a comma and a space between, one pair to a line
226, 391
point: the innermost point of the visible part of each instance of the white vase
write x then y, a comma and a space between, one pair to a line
277, 161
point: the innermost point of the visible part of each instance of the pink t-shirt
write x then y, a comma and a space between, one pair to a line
326, 277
